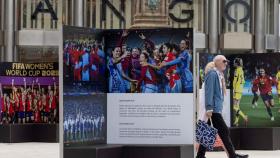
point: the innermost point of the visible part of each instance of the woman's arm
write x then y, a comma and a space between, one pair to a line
150, 65
118, 60
127, 78
170, 63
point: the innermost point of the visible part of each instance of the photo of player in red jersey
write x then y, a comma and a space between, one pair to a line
259, 89
265, 83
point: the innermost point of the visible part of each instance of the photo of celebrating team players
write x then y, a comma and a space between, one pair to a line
149, 61
29, 100
256, 90
84, 61
84, 119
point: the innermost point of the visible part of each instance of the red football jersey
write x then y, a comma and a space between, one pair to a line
126, 63
255, 85
21, 106
169, 73
16, 105
75, 54
28, 106
146, 79
39, 105
54, 103
47, 106
11, 109
265, 84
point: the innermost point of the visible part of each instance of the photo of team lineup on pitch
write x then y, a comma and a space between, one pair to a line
254, 81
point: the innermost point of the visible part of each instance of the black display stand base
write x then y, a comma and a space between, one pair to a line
256, 138
164, 151
17, 133
96, 151
135, 151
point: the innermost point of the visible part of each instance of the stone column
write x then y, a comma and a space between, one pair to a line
213, 38
259, 26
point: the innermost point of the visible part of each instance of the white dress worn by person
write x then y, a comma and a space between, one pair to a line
202, 111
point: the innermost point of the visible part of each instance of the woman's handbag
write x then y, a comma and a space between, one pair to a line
206, 134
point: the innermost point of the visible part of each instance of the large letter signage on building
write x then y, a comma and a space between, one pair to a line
40, 9
234, 2
187, 12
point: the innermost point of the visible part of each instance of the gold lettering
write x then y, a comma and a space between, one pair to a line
14, 65
16, 72
27, 66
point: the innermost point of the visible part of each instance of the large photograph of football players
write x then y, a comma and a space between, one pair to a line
84, 120
29, 100
150, 61
255, 84
84, 61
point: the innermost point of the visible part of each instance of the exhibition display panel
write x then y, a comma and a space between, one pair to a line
252, 105
128, 87
29, 102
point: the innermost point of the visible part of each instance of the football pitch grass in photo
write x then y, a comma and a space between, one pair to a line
258, 116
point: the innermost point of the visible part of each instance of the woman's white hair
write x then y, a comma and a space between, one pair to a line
209, 66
